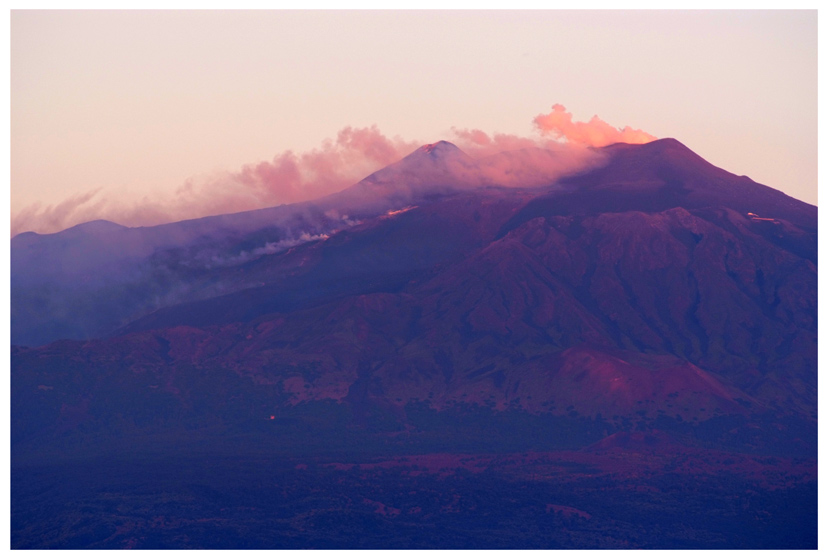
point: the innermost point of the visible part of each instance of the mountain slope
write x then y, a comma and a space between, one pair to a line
89, 280
508, 299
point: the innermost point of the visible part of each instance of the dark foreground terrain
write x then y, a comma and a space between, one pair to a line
280, 486
524, 501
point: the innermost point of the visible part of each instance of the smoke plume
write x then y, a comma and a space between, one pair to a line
289, 177
595, 133
515, 161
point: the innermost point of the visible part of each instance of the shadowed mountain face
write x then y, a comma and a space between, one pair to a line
427, 309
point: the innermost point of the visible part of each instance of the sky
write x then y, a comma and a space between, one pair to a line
145, 116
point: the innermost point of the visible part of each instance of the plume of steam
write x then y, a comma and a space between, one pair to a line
595, 133
269, 248
515, 161
501, 159
55, 217
289, 177
93, 205
478, 144
356, 153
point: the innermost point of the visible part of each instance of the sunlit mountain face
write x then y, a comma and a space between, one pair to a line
515, 351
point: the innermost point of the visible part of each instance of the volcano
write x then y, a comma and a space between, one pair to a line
443, 305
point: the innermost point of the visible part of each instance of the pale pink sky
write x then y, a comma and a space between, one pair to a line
137, 104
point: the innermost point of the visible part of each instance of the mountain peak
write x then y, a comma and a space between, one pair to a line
439, 148
440, 154
660, 148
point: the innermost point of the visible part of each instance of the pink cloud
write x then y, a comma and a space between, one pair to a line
287, 178
595, 133
291, 177
516, 161
477, 143
339, 162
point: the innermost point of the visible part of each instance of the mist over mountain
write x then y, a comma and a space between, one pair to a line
622, 305
90, 279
